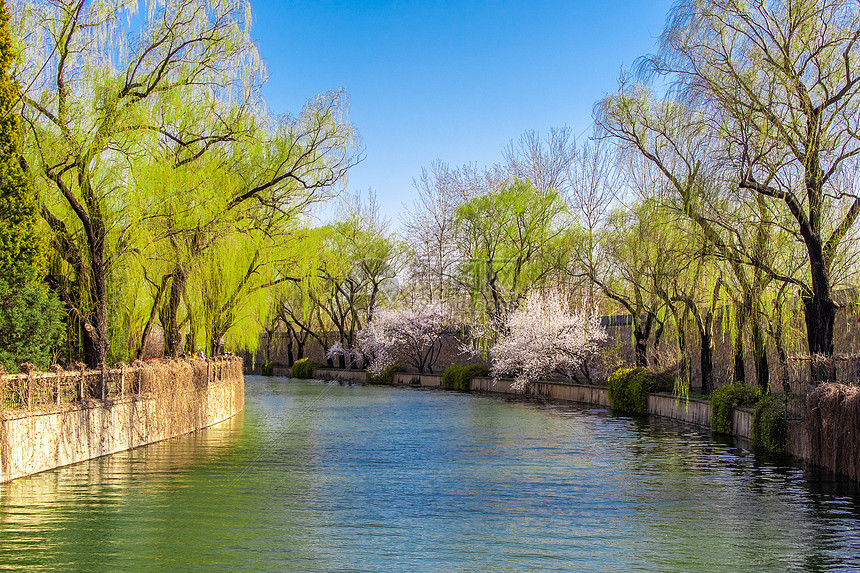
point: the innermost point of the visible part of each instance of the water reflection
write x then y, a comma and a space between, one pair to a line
319, 477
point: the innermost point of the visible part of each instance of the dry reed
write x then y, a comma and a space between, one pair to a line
833, 428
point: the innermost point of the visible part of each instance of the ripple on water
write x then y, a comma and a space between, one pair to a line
315, 477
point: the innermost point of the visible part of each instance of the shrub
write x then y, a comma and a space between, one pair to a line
304, 368
724, 398
267, 369
770, 428
451, 376
457, 377
386, 377
625, 394
629, 388
659, 381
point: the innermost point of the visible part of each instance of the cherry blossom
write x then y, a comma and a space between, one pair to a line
544, 336
405, 336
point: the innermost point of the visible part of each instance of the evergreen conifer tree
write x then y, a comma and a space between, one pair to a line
30, 324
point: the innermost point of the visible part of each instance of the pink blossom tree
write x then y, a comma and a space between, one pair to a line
544, 335
409, 336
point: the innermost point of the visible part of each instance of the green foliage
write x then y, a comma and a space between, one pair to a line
20, 252
511, 237
629, 388
169, 192
770, 427
267, 369
724, 398
457, 377
304, 368
386, 377
30, 325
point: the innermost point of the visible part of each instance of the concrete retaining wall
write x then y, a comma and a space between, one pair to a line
422, 380
692, 411
742, 422
351, 376
40, 439
360, 377
580, 393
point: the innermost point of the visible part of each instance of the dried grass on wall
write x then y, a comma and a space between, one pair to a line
833, 428
174, 381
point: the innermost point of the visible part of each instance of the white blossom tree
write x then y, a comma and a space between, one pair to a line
544, 335
352, 357
410, 336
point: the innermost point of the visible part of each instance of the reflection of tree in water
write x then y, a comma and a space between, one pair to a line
720, 506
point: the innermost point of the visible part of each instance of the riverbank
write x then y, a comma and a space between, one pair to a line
691, 411
52, 419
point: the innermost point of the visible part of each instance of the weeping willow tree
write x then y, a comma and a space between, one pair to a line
508, 240
747, 236
149, 141
101, 78
776, 84
260, 189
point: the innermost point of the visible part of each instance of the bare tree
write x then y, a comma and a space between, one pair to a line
546, 162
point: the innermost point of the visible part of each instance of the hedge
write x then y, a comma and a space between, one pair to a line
724, 398
629, 388
457, 377
304, 368
770, 427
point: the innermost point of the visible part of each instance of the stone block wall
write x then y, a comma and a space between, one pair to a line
150, 402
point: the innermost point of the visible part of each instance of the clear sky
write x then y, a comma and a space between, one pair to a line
451, 80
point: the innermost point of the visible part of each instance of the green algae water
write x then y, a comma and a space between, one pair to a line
320, 477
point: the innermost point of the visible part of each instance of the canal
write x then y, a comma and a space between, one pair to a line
320, 477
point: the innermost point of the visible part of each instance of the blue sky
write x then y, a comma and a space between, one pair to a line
454, 81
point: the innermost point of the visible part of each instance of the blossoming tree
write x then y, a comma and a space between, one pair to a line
544, 335
410, 336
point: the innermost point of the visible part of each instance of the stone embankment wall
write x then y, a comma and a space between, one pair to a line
52, 419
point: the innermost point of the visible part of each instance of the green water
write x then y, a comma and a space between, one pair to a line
318, 477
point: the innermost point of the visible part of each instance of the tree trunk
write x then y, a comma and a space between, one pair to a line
290, 360
820, 315
707, 363
172, 337
267, 352
738, 351
658, 334
819, 308
681, 324
90, 347
152, 314
762, 370
641, 333
641, 349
